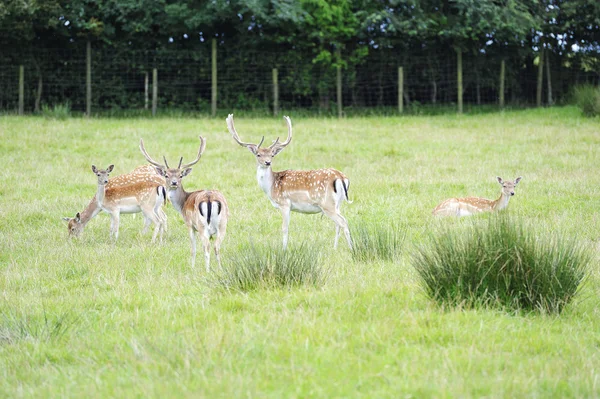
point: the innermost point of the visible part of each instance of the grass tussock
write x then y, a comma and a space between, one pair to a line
253, 267
501, 264
587, 98
17, 327
376, 241
58, 111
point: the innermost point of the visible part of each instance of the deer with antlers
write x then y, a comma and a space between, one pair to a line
204, 211
303, 191
471, 205
138, 191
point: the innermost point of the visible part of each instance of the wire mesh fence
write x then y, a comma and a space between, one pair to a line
245, 79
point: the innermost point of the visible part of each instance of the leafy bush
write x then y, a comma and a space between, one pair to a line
252, 268
501, 264
587, 98
58, 111
373, 241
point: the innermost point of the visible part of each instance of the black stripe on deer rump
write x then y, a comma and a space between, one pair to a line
209, 205
162, 192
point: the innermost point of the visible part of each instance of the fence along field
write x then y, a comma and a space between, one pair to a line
214, 77
96, 318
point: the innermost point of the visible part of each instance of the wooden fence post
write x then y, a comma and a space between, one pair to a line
275, 92
88, 80
459, 78
400, 89
339, 83
146, 90
213, 108
548, 78
540, 78
502, 79
21, 89
154, 90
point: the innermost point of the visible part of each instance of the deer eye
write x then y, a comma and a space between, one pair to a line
258, 155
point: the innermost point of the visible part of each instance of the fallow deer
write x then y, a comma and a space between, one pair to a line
303, 191
204, 211
471, 205
138, 191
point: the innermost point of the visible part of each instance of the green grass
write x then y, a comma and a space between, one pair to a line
503, 264
251, 267
587, 98
96, 319
376, 240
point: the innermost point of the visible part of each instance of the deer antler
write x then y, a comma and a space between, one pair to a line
235, 135
276, 143
148, 157
200, 151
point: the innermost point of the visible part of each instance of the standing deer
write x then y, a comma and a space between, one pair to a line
204, 211
139, 191
304, 191
471, 205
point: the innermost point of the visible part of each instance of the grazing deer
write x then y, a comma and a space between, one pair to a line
472, 205
139, 191
304, 191
204, 211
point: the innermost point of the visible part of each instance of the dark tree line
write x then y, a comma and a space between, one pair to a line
306, 39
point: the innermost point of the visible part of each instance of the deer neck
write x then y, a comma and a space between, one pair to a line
265, 178
178, 198
501, 202
90, 211
100, 194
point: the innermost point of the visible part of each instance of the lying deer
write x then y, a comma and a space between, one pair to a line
138, 191
204, 211
472, 205
303, 191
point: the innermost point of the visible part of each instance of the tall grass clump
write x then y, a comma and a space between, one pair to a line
501, 263
252, 267
58, 111
587, 98
376, 241
15, 327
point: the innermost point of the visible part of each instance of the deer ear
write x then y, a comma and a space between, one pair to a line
159, 170
500, 180
186, 172
110, 168
78, 217
253, 149
94, 169
517, 180
66, 219
276, 151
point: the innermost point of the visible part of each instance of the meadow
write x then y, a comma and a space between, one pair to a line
94, 318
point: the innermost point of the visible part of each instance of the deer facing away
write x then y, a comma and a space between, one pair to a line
472, 205
303, 191
204, 211
138, 191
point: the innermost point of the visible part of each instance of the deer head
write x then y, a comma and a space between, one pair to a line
74, 225
102, 174
264, 156
508, 187
173, 176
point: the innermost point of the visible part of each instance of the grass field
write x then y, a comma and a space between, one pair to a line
89, 318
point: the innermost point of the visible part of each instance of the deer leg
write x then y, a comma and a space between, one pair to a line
206, 246
147, 222
337, 235
285, 212
340, 222
162, 219
150, 216
114, 224
193, 245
